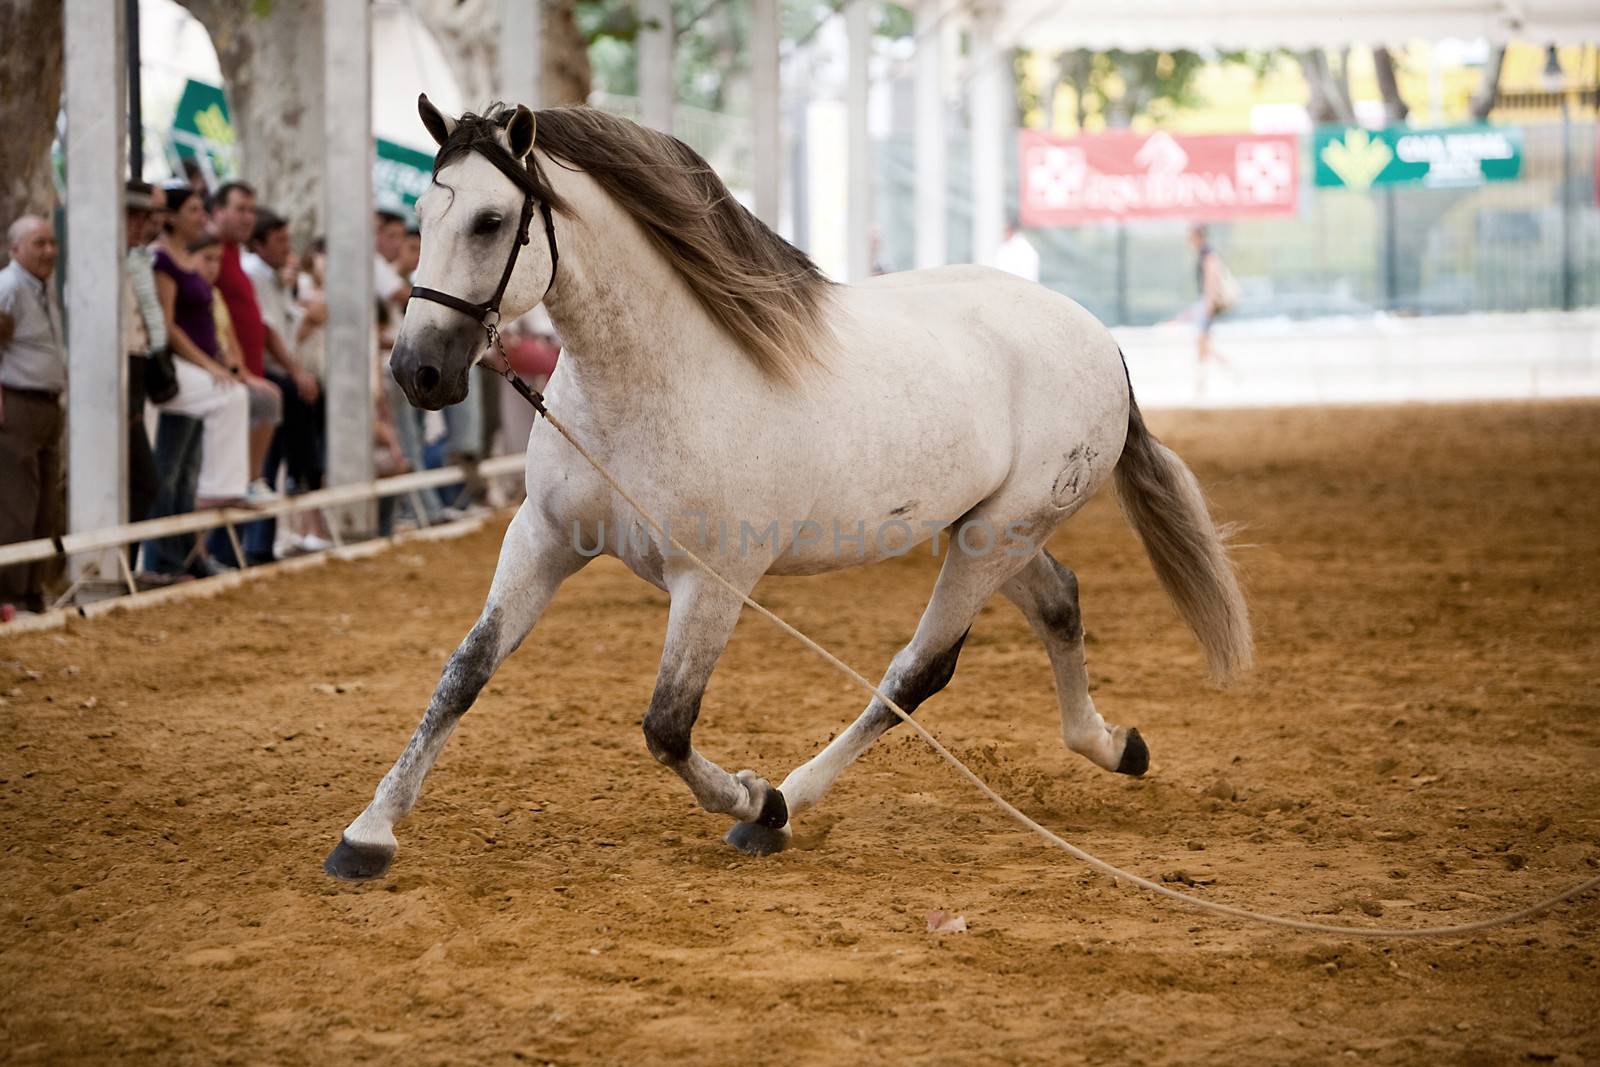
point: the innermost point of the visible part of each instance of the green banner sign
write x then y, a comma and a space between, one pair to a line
1454, 156
202, 130
399, 176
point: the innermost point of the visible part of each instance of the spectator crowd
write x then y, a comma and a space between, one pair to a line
223, 328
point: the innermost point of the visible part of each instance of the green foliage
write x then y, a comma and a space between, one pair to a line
616, 20
1119, 86
712, 43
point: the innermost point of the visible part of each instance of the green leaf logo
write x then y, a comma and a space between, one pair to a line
1358, 158
214, 126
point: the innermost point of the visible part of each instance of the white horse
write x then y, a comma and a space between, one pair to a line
779, 424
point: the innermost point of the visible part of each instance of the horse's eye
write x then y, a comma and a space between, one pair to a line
487, 225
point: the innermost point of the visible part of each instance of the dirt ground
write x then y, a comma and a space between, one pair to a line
1420, 744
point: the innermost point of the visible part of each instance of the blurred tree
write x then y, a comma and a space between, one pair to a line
1327, 86
1488, 92
272, 73
1119, 86
468, 32
1394, 106
30, 101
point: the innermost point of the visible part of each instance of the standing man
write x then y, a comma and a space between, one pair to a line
298, 443
392, 292
463, 421
410, 253
233, 219
33, 381
144, 337
1016, 254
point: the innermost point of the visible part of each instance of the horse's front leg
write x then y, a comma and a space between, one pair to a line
698, 627
534, 560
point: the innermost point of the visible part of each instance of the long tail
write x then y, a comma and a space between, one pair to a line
1163, 503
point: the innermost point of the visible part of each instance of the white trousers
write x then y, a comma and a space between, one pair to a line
224, 411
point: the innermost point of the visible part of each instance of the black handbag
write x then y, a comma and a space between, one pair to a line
160, 376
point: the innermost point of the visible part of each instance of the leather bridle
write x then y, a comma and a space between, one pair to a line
487, 312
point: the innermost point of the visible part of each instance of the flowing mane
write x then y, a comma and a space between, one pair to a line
760, 288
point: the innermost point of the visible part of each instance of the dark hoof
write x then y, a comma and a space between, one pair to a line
754, 839
358, 863
1135, 755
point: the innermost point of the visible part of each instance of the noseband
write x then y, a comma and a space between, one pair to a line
487, 313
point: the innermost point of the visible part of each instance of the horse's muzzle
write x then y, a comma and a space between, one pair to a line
429, 379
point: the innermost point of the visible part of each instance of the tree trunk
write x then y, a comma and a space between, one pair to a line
1047, 94
30, 100
1488, 92
1328, 94
468, 32
1075, 67
1394, 106
567, 76
271, 60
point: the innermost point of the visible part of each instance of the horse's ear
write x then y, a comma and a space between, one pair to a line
519, 132
439, 125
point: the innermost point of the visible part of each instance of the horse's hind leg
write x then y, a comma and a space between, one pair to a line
1047, 594
917, 672
534, 560
699, 623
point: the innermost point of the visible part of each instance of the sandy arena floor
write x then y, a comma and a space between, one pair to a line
1419, 745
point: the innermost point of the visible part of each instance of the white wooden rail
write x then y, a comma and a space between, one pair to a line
410, 485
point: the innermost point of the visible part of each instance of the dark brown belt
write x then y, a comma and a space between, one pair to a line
37, 394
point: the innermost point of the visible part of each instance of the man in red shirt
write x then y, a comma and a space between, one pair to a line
233, 217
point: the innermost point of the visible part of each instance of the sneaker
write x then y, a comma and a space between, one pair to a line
146, 580
259, 494
206, 567
312, 543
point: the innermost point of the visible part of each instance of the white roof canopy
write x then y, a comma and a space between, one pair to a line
1137, 25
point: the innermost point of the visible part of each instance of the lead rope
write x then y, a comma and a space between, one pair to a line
537, 400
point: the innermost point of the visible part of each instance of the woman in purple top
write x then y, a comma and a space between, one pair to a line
206, 389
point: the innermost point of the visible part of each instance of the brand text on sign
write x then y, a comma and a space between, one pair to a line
1115, 176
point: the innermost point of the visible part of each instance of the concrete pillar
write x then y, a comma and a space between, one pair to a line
766, 145
987, 110
932, 178
97, 422
347, 188
657, 85
521, 52
858, 28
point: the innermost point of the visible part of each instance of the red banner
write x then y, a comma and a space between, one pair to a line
1126, 175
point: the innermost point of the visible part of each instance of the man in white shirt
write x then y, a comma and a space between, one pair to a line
387, 283
1016, 254
33, 382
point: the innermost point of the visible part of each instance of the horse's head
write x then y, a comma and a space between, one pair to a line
470, 221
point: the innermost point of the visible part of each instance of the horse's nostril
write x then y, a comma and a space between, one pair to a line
427, 378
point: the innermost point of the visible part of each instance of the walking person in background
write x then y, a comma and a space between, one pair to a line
1218, 292
33, 381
